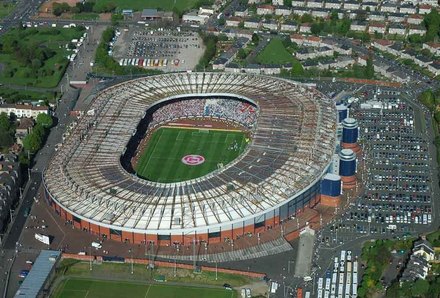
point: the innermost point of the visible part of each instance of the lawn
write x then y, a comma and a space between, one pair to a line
275, 53
74, 287
139, 5
6, 8
35, 57
163, 160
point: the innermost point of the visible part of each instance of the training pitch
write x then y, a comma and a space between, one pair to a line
179, 154
79, 288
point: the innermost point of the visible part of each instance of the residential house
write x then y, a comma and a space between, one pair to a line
254, 2
422, 60
265, 9
434, 67
396, 17
371, 6
408, 54
277, 2
414, 19
252, 23
388, 7
424, 248
320, 13
283, 11
305, 28
396, 28
424, 9
407, 9
315, 3
300, 10
23, 110
376, 16
396, 49
351, 5
382, 44
233, 21
270, 25
194, 17
343, 50
23, 129
241, 12
289, 26
416, 29
333, 4
206, 10
310, 64
9, 185
416, 268
376, 27
433, 47
299, 3
358, 26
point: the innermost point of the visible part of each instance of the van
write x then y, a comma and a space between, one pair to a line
96, 245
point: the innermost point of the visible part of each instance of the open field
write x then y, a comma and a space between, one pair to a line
35, 57
275, 53
163, 159
139, 5
6, 8
74, 287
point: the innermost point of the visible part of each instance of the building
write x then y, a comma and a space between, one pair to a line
23, 110
377, 28
265, 9
305, 28
233, 21
424, 9
9, 185
206, 10
252, 23
424, 248
434, 67
315, 3
270, 25
333, 4
299, 3
417, 267
382, 44
312, 53
283, 11
369, 6
289, 26
300, 10
241, 12
358, 26
396, 28
223, 212
422, 60
23, 129
414, 19
320, 12
433, 47
396, 17
194, 17
351, 5
416, 29
375, 16
278, 2
388, 7
396, 49
407, 9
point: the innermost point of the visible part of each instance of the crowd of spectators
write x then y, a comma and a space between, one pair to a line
238, 111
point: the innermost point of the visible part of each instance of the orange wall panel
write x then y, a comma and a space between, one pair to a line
104, 231
127, 235
226, 234
214, 240
237, 232
176, 238
139, 238
249, 229
152, 237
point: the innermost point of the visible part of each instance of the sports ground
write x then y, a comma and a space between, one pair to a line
79, 288
179, 154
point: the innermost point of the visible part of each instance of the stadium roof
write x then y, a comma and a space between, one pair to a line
37, 276
291, 148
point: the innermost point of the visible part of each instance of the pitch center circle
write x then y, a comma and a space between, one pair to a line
193, 159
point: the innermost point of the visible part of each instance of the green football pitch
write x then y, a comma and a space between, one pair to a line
179, 154
79, 288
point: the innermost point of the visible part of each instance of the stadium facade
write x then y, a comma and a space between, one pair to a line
279, 174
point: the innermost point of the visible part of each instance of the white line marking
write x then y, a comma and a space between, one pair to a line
146, 294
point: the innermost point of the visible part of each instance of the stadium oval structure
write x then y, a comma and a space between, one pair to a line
278, 175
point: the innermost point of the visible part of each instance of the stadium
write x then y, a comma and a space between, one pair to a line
185, 157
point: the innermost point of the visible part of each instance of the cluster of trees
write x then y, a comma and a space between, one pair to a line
432, 24
419, 288
210, 42
85, 6
7, 131
35, 139
331, 26
431, 99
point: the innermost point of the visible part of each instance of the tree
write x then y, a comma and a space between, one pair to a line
369, 71
306, 18
241, 54
420, 288
316, 28
432, 24
222, 21
44, 120
255, 38
6, 139
32, 142
5, 124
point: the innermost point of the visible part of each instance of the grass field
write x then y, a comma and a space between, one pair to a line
40, 71
6, 8
275, 53
161, 160
77, 288
139, 5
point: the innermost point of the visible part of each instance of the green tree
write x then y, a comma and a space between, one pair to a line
306, 18
241, 54
5, 124
222, 21
369, 71
432, 24
44, 120
32, 142
255, 38
6, 139
420, 288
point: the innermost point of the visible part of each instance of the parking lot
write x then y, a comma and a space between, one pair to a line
167, 50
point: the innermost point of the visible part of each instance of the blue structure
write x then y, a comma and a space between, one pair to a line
331, 185
342, 112
347, 163
350, 131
